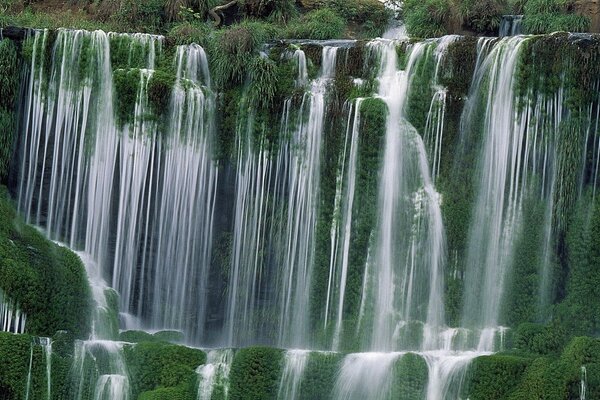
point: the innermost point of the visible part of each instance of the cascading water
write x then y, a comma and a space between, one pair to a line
76, 151
511, 25
12, 319
99, 371
407, 269
365, 376
497, 213
213, 376
295, 364
140, 198
294, 174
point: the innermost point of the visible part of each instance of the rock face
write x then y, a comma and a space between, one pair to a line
591, 9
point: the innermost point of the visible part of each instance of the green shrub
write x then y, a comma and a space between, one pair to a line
232, 49
410, 377
255, 373
9, 83
494, 377
142, 16
539, 339
426, 18
127, 86
190, 32
158, 364
319, 376
48, 281
371, 15
160, 87
318, 24
482, 16
547, 16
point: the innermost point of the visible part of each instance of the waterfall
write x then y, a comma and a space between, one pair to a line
132, 197
100, 365
447, 373
583, 384
12, 319
214, 374
497, 212
511, 25
292, 174
46, 344
365, 376
340, 238
408, 268
293, 370
28, 381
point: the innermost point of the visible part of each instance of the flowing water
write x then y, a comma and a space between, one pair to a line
151, 209
213, 376
12, 319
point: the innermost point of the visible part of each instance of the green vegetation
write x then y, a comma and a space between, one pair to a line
127, 87
48, 281
410, 378
426, 18
318, 24
255, 373
160, 369
547, 16
319, 376
430, 18
9, 81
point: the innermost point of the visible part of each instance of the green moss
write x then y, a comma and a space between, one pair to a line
127, 86
154, 365
539, 339
160, 87
410, 378
255, 373
48, 281
319, 376
494, 377
9, 84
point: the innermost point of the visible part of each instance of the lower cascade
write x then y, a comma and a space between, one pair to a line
383, 219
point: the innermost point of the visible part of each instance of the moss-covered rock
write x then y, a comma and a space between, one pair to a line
255, 373
494, 377
154, 365
48, 281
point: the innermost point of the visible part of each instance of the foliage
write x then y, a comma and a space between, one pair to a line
319, 376
482, 16
426, 18
158, 364
48, 281
160, 86
410, 377
255, 373
371, 15
319, 24
127, 87
539, 339
233, 48
580, 310
185, 10
263, 81
9, 83
546, 16
494, 377
15, 353
190, 32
